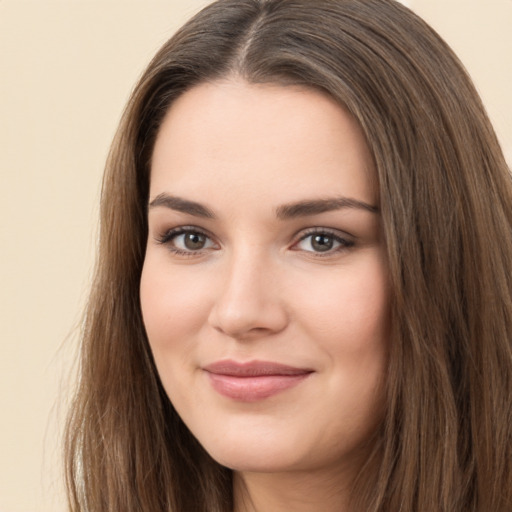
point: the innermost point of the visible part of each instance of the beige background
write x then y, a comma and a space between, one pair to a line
66, 69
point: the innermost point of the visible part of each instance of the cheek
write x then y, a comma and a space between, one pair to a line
349, 309
354, 331
349, 319
173, 308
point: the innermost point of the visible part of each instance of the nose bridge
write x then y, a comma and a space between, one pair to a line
248, 301
246, 268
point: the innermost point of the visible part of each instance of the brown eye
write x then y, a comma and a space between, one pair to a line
322, 243
187, 241
194, 241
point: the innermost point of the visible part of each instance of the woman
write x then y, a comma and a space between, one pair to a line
303, 298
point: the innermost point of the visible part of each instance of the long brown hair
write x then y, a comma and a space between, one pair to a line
446, 204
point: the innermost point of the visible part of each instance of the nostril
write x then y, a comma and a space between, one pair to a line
247, 302
248, 320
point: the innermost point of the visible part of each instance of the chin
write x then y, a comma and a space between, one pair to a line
253, 452
255, 460
255, 448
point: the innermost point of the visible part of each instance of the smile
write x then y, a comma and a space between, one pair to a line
257, 380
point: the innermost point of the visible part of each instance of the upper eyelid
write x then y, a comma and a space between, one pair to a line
304, 233
184, 229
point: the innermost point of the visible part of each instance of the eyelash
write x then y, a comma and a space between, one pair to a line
344, 244
168, 237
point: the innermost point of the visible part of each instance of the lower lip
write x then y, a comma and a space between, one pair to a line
251, 389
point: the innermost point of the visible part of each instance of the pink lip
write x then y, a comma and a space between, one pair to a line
255, 380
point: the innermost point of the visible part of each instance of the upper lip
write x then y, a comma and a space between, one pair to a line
253, 369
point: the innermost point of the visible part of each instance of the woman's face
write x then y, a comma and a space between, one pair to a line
264, 290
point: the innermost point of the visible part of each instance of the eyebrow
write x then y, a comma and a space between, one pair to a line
182, 205
316, 206
283, 212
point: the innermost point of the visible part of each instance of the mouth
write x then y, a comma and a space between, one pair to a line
255, 380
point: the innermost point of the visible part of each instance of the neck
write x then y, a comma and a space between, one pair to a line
329, 489
297, 491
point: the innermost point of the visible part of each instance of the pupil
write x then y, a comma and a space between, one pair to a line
322, 243
194, 241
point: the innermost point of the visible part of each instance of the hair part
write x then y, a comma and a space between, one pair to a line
446, 204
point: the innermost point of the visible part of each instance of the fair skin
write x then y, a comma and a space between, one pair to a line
264, 290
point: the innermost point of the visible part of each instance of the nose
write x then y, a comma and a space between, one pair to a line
249, 303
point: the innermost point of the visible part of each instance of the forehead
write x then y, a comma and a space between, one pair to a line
278, 142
